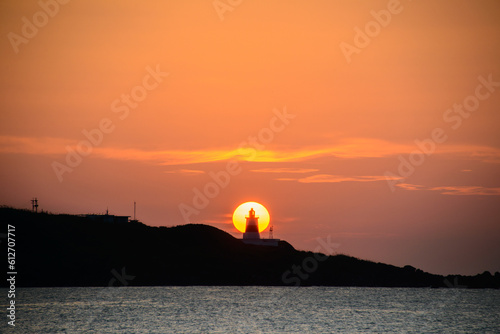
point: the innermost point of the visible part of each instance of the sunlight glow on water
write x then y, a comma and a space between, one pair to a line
254, 310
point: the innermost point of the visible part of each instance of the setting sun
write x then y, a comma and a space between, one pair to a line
241, 212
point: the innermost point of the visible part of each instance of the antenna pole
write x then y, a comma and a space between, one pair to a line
134, 210
34, 204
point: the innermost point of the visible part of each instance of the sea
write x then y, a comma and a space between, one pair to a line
208, 309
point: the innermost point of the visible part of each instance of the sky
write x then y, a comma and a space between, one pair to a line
369, 125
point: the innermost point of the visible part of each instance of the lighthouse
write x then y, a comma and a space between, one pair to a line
252, 226
251, 234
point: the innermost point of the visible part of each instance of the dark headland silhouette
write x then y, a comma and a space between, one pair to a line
67, 250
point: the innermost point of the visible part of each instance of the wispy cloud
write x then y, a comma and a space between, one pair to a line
350, 148
464, 190
284, 170
166, 157
454, 190
408, 186
327, 178
31, 145
185, 171
490, 156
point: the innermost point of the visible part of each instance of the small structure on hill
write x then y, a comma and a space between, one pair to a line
107, 218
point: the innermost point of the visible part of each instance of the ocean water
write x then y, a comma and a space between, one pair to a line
253, 310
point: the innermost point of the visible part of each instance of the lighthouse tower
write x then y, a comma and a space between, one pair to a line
252, 227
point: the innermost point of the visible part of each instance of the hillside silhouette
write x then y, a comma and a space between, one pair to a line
57, 250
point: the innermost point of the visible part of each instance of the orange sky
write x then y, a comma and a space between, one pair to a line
173, 91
